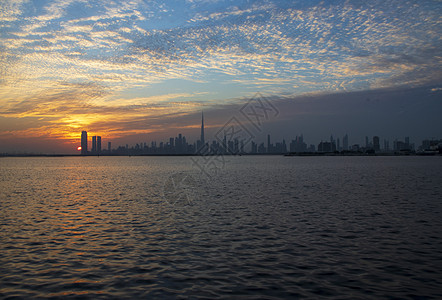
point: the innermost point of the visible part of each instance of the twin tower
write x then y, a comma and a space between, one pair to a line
96, 144
96, 141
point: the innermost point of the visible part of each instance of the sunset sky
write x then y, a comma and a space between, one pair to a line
137, 71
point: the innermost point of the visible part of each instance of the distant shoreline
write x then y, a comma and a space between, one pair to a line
229, 154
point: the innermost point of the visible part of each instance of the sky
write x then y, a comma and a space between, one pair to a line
136, 71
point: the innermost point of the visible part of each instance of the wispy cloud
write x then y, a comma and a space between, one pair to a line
335, 41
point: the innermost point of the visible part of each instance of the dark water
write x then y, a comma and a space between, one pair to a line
263, 228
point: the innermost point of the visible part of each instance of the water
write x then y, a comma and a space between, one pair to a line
265, 227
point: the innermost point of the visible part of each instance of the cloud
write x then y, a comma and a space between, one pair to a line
61, 111
294, 42
11, 10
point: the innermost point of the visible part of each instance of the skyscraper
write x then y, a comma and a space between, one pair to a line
84, 143
376, 144
202, 129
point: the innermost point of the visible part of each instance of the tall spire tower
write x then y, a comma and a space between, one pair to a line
202, 129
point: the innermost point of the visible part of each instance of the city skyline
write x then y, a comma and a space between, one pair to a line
296, 145
145, 70
340, 113
179, 145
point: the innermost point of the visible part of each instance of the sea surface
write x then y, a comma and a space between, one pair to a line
238, 227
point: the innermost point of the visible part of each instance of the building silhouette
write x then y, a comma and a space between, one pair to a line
376, 144
298, 145
84, 143
403, 145
96, 144
326, 147
180, 146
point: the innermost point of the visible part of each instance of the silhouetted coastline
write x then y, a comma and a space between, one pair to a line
231, 154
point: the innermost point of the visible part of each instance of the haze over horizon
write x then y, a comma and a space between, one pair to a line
139, 71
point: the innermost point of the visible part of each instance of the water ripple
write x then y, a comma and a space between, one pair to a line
268, 227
